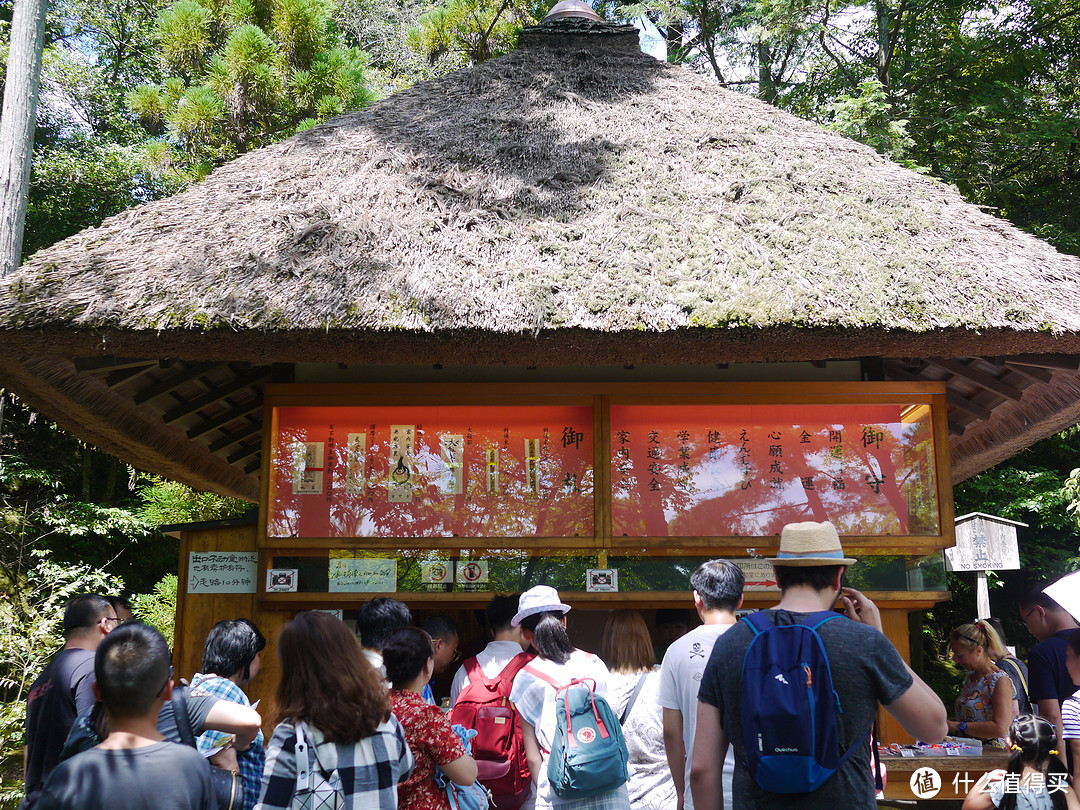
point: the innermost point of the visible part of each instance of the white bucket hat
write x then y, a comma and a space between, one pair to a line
538, 599
810, 543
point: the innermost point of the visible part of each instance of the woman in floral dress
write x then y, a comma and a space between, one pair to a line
409, 659
984, 709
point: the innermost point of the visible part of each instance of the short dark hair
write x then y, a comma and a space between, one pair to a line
231, 646
85, 610
719, 583
441, 626
381, 618
405, 654
818, 577
132, 667
1035, 596
501, 611
674, 615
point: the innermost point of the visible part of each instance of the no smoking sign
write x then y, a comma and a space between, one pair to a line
472, 572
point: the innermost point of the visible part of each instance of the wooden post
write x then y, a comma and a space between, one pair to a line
17, 126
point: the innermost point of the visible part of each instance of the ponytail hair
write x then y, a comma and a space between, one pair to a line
980, 634
1033, 739
549, 636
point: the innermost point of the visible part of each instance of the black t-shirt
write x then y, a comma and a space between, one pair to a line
61, 692
1048, 677
162, 776
866, 670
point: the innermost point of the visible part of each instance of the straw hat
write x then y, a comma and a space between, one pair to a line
538, 599
811, 543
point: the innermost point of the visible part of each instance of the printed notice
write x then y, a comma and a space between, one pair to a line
354, 463
759, 574
452, 453
491, 480
222, 571
532, 466
308, 475
602, 580
439, 572
362, 574
402, 438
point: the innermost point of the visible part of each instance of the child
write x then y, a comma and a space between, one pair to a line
1036, 779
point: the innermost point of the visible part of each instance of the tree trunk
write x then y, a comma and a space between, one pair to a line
17, 126
884, 44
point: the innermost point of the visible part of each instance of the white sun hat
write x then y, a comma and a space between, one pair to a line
809, 543
538, 599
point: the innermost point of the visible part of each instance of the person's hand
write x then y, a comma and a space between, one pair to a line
859, 608
225, 758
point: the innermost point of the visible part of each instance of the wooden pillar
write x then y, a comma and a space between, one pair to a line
894, 623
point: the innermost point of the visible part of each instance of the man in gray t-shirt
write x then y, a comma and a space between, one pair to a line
866, 669
135, 768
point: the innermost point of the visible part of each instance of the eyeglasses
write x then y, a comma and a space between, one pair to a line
116, 619
1026, 615
455, 657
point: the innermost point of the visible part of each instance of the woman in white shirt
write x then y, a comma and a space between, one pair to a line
634, 684
542, 618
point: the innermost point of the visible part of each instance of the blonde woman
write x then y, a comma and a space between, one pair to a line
984, 709
633, 689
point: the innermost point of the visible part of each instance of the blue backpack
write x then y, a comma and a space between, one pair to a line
789, 706
588, 753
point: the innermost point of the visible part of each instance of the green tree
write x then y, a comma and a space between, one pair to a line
245, 73
467, 32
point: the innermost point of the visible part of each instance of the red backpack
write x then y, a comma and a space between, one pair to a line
498, 747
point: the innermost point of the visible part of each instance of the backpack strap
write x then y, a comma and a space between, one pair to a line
633, 698
472, 669
181, 716
517, 663
544, 677
1011, 662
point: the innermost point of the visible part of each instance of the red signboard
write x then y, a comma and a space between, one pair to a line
714, 470
432, 471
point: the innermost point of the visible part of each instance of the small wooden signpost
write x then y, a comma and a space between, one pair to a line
983, 542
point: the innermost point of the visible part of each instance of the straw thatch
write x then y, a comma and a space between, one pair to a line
574, 203
598, 202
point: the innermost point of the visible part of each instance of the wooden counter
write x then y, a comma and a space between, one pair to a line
956, 775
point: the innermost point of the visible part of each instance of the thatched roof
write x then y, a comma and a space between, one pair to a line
566, 204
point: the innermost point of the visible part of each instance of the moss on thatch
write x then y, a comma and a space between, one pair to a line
556, 189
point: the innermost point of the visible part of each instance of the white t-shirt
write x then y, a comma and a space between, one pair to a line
680, 678
535, 701
492, 660
1070, 717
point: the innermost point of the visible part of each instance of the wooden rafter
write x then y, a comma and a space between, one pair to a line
1069, 362
234, 437
230, 415
981, 378
219, 393
85, 365
245, 451
172, 382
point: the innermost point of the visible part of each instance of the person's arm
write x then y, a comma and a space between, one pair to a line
461, 770
919, 710
1050, 709
1074, 746
676, 752
979, 797
1001, 713
243, 721
706, 764
532, 749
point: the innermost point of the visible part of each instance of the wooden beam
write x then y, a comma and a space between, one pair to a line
245, 452
253, 466
119, 377
967, 406
168, 384
987, 381
219, 393
84, 365
231, 415
1069, 362
1040, 375
235, 436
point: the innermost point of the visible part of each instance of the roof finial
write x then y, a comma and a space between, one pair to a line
572, 9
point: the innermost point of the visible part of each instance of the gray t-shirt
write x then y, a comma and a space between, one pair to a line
162, 776
866, 670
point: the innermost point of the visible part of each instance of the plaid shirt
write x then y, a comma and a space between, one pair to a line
370, 769
251, 760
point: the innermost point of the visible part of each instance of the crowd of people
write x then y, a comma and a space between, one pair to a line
358, 725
